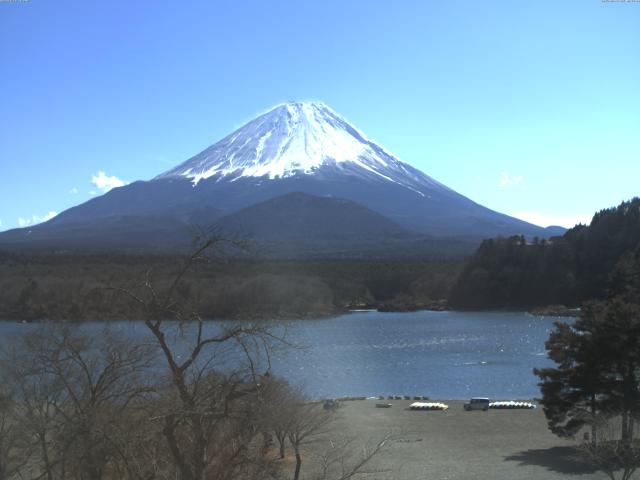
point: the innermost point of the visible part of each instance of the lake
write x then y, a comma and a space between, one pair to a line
447, 355
451, 355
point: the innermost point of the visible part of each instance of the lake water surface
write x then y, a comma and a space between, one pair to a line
450, 355
447, 355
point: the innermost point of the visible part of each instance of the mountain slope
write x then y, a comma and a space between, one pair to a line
298, 225
299, 215
295, 225
296, 147
118, 234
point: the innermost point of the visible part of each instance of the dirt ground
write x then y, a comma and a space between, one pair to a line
456, 445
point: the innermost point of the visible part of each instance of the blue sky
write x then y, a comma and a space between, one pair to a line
530, 108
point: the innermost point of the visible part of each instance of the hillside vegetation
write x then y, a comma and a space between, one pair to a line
86, 287
587, 262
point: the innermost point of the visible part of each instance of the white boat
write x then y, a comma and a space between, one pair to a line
428, 406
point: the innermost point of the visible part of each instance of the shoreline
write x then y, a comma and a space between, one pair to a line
552, 311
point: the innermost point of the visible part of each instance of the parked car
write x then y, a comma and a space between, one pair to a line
477, 403
331, 405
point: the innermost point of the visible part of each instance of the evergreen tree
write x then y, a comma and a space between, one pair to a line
571, 392
514, 273
598, 369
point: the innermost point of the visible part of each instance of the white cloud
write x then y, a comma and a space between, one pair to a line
34, 219
546, 220
507, 180
73, 191
106, 183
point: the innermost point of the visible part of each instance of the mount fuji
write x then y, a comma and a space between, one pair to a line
298, 139
298, 164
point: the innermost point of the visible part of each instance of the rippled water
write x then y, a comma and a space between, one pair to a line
449, 355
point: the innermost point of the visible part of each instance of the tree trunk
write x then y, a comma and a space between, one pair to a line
199, 448
169, 434
282, 439
45, 454
594, 427
296, 474
625, 428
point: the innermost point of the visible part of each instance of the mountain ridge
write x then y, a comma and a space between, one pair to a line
297, 138
295, 147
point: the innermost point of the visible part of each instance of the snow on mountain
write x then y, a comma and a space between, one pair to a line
299, 138
283, 173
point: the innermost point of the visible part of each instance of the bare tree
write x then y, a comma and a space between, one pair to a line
278, 401
75, 395
617, 451
38, 396
14, 444
306, 424
345, 458
189, 404
309, 429
213, 388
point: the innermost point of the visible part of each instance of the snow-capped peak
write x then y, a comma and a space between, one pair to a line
298, 138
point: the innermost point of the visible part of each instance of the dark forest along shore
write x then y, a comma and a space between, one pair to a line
453, 355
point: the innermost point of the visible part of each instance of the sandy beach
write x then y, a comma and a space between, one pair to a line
456, 445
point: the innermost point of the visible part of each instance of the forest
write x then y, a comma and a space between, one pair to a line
517, 273
77, 287
587, 262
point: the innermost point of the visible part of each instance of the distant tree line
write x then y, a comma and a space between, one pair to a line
516, 272
75, 287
